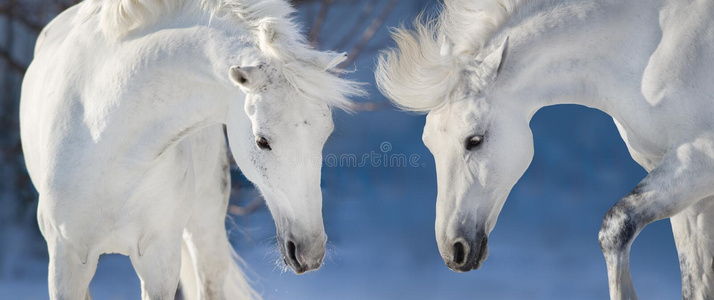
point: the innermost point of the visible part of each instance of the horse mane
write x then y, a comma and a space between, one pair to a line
119, 17
269, 21
426, 65
469, 25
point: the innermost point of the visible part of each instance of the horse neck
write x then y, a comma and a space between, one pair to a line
571, 53
181, 92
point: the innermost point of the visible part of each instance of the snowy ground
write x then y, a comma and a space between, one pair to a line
525, 263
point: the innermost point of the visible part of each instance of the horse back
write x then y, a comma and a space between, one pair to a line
57, 29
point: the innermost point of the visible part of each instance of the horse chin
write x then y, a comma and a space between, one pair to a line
300, 269
482, 258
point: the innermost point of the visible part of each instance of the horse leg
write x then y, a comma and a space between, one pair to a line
206, 243
694, 238
157, 261
682, 178
70, 271
209, 249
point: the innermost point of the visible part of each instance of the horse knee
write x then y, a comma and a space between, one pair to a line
619, 228
157, 261
70, 271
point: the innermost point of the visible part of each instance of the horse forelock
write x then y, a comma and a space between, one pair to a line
284, 44
427, 63
414, 75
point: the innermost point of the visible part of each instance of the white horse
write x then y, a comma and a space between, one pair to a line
122, 112
483, 68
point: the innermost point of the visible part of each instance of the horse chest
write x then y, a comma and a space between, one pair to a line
643, 150
124, 191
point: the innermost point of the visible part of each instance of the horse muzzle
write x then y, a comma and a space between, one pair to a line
303, 254
462, 254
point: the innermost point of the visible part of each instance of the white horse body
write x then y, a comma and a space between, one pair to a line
648, 64
128, 210
101, 126
124, 143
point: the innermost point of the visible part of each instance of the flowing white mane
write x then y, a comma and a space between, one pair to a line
424, 68
269, 21
470, 24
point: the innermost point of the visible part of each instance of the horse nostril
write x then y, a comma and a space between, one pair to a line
459, 253
292, 252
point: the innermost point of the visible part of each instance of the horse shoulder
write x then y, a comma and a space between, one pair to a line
34, 86
648, 162
681, 67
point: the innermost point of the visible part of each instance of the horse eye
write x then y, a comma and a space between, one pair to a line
263, 143
474, 142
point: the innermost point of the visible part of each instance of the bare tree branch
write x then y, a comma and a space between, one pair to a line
7, 6
11, 62
27, 22
66, 5
314, 36
369, 33
19, 13
367, 10
254, 205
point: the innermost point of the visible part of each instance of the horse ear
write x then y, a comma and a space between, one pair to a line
329, 60
491, 65
244, 77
